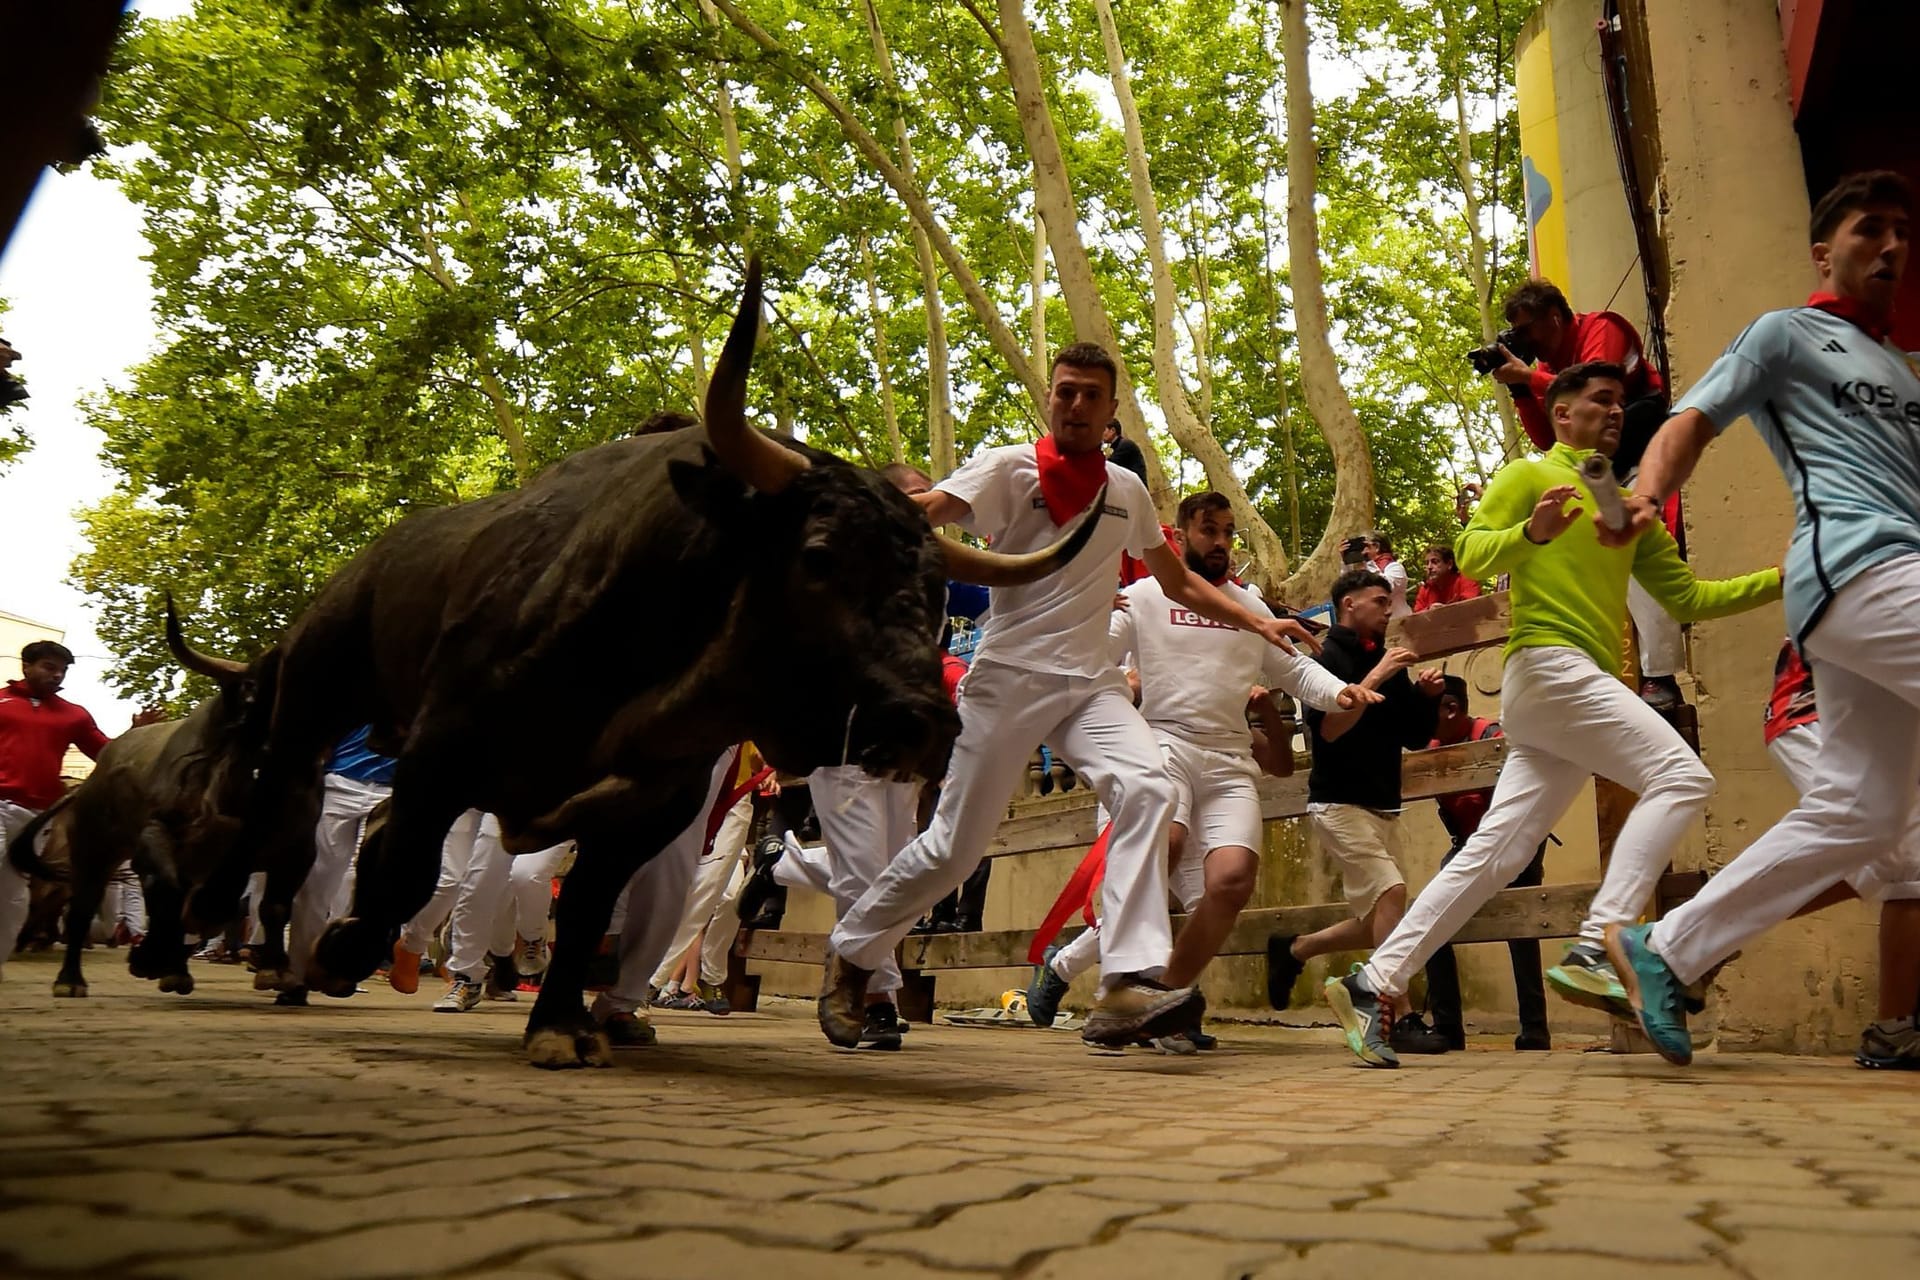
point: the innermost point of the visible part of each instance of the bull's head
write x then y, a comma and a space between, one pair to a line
239, 716
853, 566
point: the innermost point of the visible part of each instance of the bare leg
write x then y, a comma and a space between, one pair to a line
1900, 958
1230, 875
1359, 934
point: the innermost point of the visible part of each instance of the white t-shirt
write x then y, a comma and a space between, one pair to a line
1195, 674
1058, 624
1396, 575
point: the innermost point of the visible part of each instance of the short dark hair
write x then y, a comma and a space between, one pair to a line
1452, 686
1379, 538
1859, 191
1573, 379
1445, 552
38, 649
1088, 355
897, 473
1195, 504
1355, 580
1113, 425
1536, 296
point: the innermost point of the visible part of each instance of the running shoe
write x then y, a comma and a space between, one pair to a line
1657, 995
292, 998
628, 1031
1891, 1045
1411, 1034
883, 1027
532, 957
1282, 969
503, 981
1137, 1008
403, 975
1046, 991
842, 1007
463, 995
714, 1001
1362, 1017
1587, 977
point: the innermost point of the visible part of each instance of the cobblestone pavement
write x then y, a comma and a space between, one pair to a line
208, 1136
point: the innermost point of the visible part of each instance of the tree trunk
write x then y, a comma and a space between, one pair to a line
696, 340
1053, 195
1319, 369
1270, 558
940, 445
888, 417
1477, 269
1004, 343
1038, 320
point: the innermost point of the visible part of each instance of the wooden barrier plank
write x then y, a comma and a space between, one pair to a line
1479, 623
1548, 911
1066, 822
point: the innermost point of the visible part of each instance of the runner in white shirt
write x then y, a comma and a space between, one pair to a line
1195, 677
1042, 673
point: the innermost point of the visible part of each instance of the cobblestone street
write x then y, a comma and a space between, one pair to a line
211, 1137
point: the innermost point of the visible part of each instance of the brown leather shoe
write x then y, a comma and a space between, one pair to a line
843, 1002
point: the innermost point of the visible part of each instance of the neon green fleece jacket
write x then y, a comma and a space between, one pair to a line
1572, 592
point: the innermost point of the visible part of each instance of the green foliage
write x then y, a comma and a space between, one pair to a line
405, 255
14, 441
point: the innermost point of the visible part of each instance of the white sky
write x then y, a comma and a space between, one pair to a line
81, 315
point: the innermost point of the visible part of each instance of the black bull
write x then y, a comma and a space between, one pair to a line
572, 656
167, 796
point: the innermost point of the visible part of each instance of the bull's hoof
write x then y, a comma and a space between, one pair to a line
581, 1045
274, 978
179, 984
145, 959
347, 952
65, 990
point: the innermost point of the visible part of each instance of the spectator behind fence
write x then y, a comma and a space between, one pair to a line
1124, 452
1379, 553
1445, 583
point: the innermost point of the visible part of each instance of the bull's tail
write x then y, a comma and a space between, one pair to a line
20, 850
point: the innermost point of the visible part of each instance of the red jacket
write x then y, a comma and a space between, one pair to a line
1593, 335
1461, 813
34, 737
1432, 595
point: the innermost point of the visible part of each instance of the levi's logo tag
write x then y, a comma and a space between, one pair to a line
1188, 618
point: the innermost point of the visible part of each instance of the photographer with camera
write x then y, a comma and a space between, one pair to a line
1544, 328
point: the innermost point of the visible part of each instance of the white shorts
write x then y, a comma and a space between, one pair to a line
1894, 877
1215, 799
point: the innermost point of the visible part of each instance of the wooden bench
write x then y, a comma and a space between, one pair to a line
1067, 822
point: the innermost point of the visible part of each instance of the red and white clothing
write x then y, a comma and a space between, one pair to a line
1434, 593
34, 736
1042, 673
1592, 335
473, 881
864, 822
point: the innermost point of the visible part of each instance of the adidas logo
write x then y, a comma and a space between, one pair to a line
1833, 345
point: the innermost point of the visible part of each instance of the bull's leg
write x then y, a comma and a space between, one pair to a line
560, 1031
162, 954
89, 886
397, 869
287, 854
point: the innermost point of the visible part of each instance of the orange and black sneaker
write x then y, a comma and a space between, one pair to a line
404, 974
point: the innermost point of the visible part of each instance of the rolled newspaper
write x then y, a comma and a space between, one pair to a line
1597, 473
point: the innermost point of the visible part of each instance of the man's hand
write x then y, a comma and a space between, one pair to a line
1642, 514
1551, 515
1120, 601
1392, 662
148, 715
1431, 681
1281, 632
1358, 695
1133, 684
1515, 372
770, 788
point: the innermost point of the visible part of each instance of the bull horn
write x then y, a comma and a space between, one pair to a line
220, 669
991, 569
750, 456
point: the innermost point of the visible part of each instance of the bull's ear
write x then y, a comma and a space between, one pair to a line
709, 488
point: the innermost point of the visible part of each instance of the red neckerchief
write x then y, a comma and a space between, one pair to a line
1850, 310
1068, 481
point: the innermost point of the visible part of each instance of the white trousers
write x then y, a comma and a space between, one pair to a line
473, 879
344, 806
1663, 650
1865, 657
864, 822
16, 891
713, 874
1005, 713
1565, 719
1895, 876
647, 913
125, 902
529, 899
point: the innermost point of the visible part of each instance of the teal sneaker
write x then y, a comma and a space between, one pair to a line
1363, 1019
1586, 977
1658, 997
1046, 991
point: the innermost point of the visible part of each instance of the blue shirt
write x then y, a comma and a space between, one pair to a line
1841, 415
352, 759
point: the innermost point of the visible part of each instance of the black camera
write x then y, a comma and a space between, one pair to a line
1353, 551
1486, 359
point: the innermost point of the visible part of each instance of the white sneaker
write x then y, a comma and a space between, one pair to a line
531, 957
463, 995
